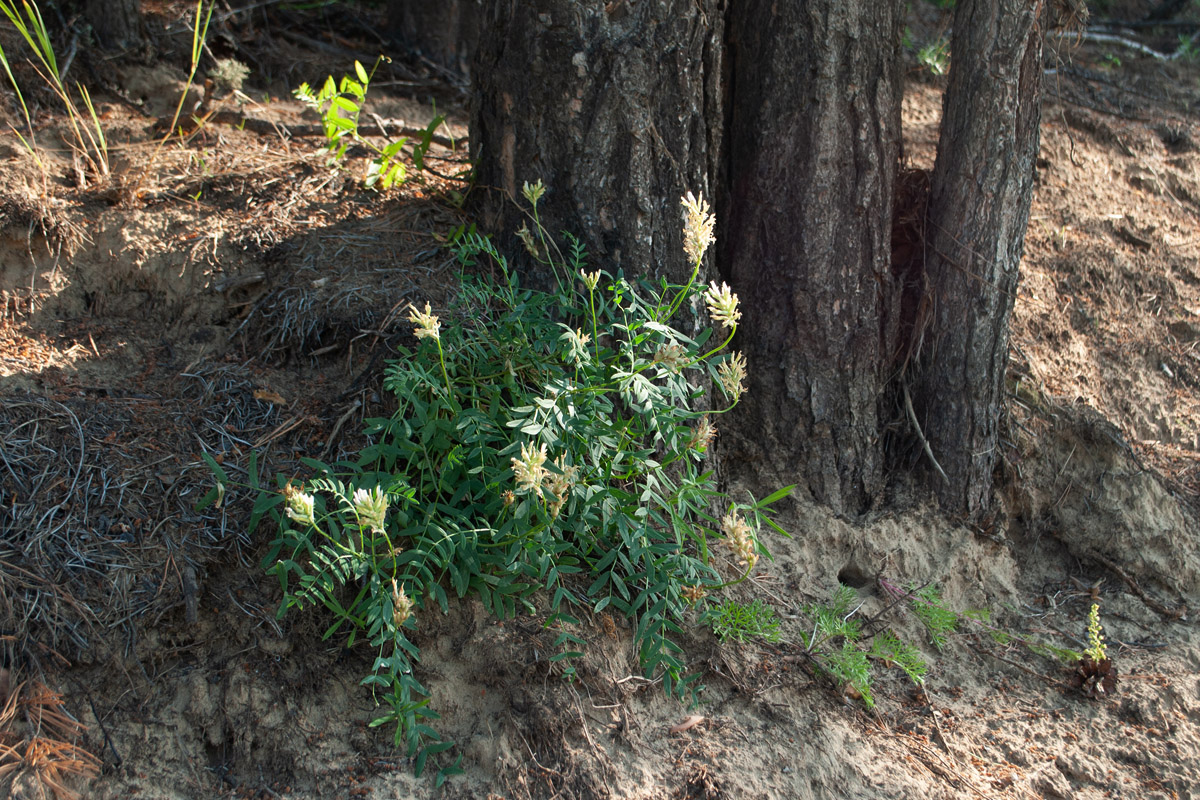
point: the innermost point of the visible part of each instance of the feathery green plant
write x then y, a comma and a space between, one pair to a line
739, 622
935, 56
890, 649
835, 647
939, 621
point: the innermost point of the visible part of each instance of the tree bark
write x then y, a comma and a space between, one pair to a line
981, 191
446, 31
622, 107
608, 105
813, 143
117, 23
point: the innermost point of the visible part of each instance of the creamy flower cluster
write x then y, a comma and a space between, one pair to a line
530, 468
702, 435
590, 279
402, 605
533, 476
722, 305
530, 241
672, 356
533, 191
698, 226
731, 374
559, 485
371, 507
299, 506
428, 326
740, 539
576, 341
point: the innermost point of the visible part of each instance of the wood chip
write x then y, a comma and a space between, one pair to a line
269, 396
687, 724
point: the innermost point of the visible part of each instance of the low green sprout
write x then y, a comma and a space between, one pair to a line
927, 604
740, 622
935, 56
1096, 650
835, 645
836, 639
340, 105
891, 650
938, 620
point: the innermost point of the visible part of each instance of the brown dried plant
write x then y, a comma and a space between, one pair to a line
36, 736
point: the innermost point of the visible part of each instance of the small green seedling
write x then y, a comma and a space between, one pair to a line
340, 106
740, 622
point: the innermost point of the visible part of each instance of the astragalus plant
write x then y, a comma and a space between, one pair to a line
548, 455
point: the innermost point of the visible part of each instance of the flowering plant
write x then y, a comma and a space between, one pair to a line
544, 443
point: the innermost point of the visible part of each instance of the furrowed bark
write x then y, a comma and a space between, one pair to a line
609, 105
814, 132
982, 187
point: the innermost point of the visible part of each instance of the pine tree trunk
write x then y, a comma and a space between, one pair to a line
621, 108
446, 31
117, 23
981, 191
610, 106
814, 132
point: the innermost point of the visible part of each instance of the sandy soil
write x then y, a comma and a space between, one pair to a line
232, 293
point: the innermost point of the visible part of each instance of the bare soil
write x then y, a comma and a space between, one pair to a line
231, 293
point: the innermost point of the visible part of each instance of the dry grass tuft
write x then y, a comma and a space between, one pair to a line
37, 742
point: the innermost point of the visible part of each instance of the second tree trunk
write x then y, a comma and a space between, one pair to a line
982, 188
814, 132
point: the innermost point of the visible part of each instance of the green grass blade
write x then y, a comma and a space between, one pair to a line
17, 90
200, 33
34, 32
46, 50
99, 143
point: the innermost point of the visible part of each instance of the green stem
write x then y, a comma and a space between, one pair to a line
537, 223
679, 298
595, 329
726, 584
715, 350
445, 376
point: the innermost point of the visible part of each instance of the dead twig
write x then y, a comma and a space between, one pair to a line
379, 127
338, 426
1169, 613
912, 417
